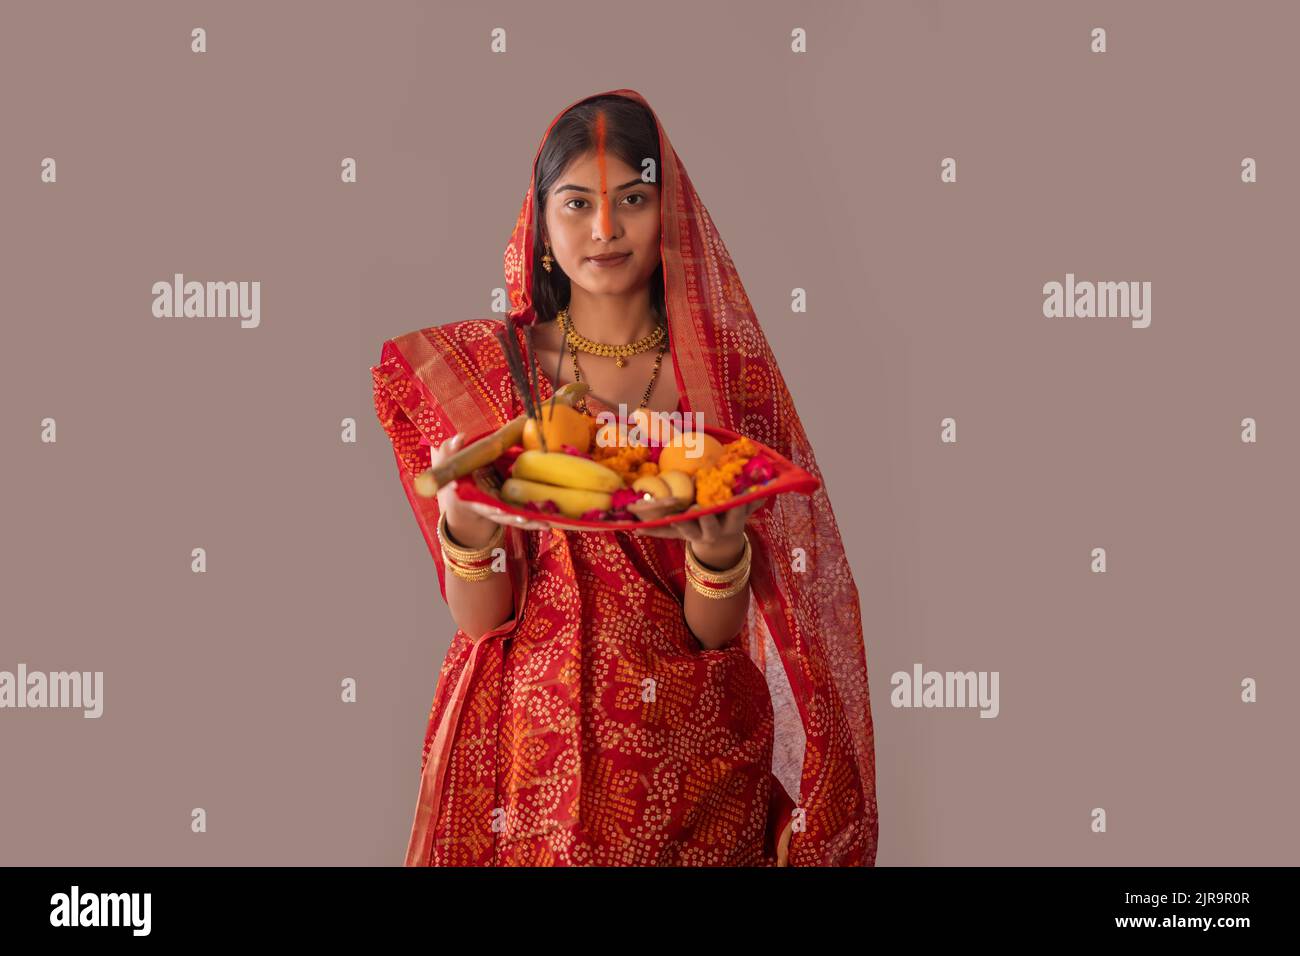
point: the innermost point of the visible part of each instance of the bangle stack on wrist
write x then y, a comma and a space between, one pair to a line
718, 584
469, 564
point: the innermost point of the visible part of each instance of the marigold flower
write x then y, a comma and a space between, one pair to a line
627, 460
719, 482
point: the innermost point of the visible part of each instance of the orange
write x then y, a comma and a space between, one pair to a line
652, 425
561, 425
703, 451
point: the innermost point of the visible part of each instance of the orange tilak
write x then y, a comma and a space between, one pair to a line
604, 181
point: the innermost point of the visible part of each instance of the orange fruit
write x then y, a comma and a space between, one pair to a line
561, 425
703, 451
652, 426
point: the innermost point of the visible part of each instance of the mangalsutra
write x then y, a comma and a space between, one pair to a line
575, 342
581, 404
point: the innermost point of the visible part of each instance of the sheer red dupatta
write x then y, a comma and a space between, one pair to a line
804, 629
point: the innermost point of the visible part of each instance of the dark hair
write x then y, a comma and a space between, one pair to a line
632, 136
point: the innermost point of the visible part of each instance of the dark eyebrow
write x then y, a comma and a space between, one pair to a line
584, 189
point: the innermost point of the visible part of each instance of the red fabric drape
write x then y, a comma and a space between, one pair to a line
590, 729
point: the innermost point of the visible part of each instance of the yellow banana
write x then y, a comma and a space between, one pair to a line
572, 502
565, 470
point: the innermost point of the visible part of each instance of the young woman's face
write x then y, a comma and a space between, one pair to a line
582, 222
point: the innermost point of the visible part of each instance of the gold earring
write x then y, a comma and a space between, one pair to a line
546, 259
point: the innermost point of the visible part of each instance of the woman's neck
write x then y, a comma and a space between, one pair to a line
612, 319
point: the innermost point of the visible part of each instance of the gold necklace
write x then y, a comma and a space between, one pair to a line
581, 404
619, 353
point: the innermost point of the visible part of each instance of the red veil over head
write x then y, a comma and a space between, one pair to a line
804, 629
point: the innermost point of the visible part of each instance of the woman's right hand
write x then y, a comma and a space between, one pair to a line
478, 521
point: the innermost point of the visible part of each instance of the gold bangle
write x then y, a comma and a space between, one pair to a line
479, 572
467, 555
730, 590
469, 564
719, 584
734, 574
476, 574
742, 572
738, 570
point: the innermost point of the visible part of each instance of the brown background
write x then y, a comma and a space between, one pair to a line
821, 170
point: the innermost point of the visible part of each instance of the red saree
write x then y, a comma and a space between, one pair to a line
591, 728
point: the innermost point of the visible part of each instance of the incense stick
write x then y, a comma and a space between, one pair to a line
559, 365
515, 365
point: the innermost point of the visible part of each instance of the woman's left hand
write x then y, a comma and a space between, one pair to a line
713, 536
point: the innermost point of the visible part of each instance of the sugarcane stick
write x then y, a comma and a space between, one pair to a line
488, 448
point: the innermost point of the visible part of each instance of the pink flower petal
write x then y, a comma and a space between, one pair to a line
621, 498
758, 470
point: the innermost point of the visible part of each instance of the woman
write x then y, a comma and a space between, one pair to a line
593, 707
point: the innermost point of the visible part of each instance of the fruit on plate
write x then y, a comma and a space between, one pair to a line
566, 471
642, 428
681, 484
630, 461
561, 425
702, 451
652, 485
572, 502
660, 490
652, 428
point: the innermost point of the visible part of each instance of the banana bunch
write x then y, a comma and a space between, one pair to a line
574, 483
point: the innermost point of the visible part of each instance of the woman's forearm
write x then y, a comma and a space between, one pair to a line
477, 606
716, 621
